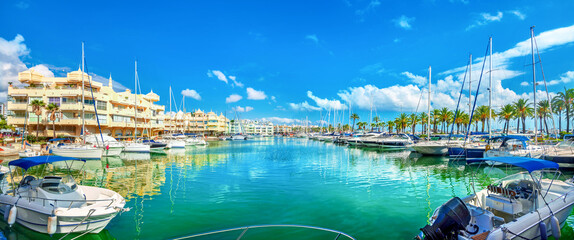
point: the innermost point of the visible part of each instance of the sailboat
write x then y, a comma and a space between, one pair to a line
82, 151
173, 141
135, 146
439, 147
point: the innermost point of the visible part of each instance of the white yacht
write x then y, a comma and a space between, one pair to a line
437, 148
136, 147
80, 151
110, 145
516, 146
56, 204
532, 204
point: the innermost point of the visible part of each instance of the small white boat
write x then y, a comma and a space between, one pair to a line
56, 204
110, 145
532, 204
135, 147
77, 151
436, 148
514, 146
173, 143
238, 137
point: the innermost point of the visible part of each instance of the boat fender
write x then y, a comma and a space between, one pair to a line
543, 230
555, 224
52, 224
12, 215
6, 212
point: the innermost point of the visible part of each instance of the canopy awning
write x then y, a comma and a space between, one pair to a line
530, 164
59, 139
29, 162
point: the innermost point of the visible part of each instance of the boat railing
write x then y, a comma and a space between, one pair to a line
243, 230
44, 200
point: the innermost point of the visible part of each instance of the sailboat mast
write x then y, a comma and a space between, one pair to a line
170, 120
534, 82
136, 101
83, 116
490, 92
470, 84
428, 110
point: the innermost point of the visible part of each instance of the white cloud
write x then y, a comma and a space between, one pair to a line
419, 80
22, 5
326, 103
280, 120
404, 22
235, 82
372, 5
304, 106
233, 98
44, 70
313, 38
486, 18
255, 95
10, 63
524, 84
191, 93
242, 109
518, 14
218, 74
564, 78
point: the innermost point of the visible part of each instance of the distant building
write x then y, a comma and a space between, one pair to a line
197, 122
251, 127
283, 129
116, 111
3, 109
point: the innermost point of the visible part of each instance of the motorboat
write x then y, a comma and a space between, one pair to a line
136, 147
396, 141
110, 146
531, 204
174, 143
5, 152
153, 145
562, 153
436, 148
359, 141
238, 137
56, 204
80, 151
516, 146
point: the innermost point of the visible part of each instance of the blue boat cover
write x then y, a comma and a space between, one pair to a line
29, 162
530, 164
58, 139
517, 137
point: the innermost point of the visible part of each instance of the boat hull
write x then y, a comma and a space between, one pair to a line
81, 153
431, 150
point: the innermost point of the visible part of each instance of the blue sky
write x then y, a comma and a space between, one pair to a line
286, 60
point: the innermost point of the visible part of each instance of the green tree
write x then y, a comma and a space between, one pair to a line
543, 110
354, 116
37, 106
401, 122
435, 117
414, 120
565, 98
444, 117
523, 109
390, 126
505, 114
558, 106
53, 109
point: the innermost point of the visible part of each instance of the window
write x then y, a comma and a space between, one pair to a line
89, 101
102, 105
54, 100
67, 115
89, 116
69, 100
103, 119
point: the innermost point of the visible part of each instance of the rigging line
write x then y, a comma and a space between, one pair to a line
477, 89
421, 96
545, 86
457, 105
95, 108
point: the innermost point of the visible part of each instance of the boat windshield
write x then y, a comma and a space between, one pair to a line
565, 145
58, 185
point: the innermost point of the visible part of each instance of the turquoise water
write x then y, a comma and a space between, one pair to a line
366, 193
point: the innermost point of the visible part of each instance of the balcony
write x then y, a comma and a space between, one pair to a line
17, 106
71, 107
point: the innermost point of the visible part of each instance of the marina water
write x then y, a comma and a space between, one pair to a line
367, 193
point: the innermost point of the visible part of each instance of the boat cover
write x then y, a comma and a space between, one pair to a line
29, 162
530, 164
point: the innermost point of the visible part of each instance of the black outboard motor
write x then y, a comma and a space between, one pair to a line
452, 217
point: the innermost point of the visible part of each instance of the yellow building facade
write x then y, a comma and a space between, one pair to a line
116, 111
197, 122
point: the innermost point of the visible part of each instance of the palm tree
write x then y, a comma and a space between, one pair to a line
458, 121
566, 99
402, 121
53, 108
373, 125
482, 113
542, 111
435, 116
445, 116
557, 107
424, 119
523, 110
390, 126
462, 121
381, 126
414, 119
361, 125
376, 119
505, 114
354, 116
37, 106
